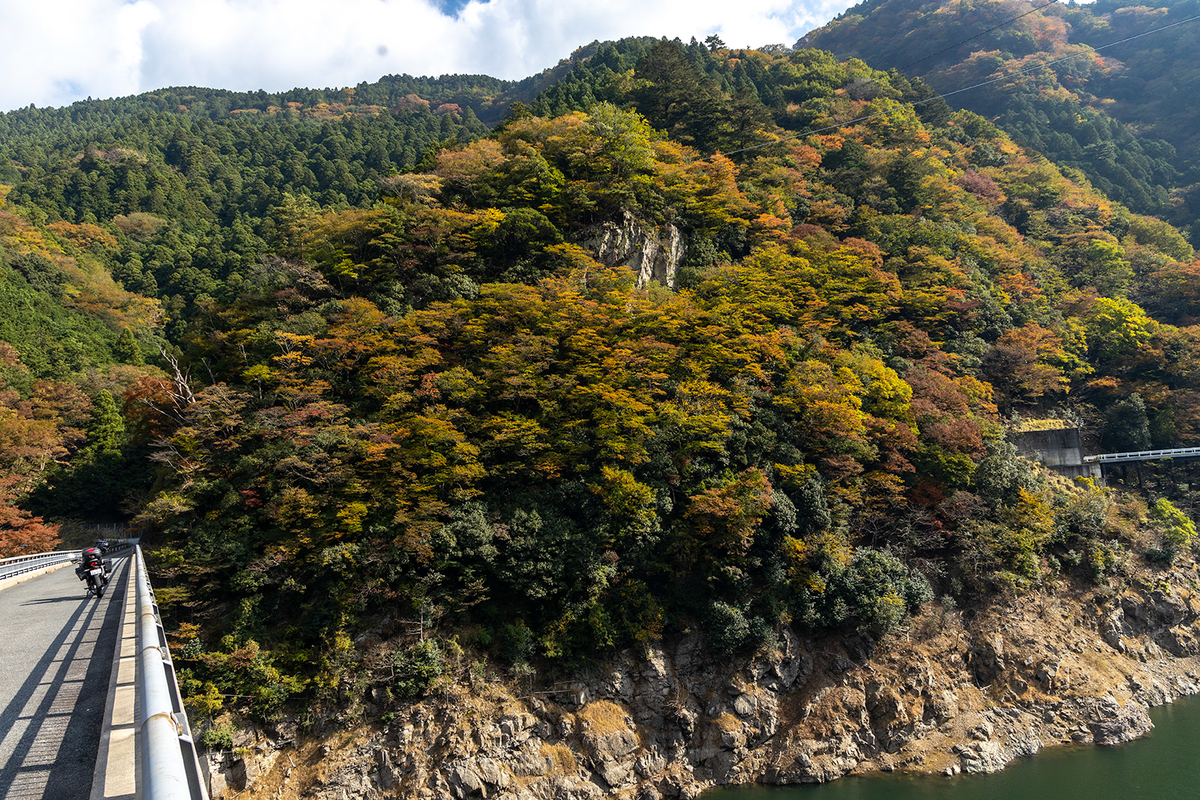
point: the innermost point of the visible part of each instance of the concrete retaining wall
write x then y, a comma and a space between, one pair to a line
1059, 449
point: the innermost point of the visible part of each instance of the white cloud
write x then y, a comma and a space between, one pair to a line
57, 51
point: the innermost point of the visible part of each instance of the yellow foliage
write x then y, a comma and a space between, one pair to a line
795, 555
624, 496
352, 515
208, 703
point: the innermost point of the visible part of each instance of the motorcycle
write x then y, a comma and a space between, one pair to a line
95, 570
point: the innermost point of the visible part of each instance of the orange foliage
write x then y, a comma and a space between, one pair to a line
83, 235
1020, 365
152, 408
727, 516
21, 533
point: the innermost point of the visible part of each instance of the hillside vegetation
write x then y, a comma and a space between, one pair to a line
1123, 116
373, 394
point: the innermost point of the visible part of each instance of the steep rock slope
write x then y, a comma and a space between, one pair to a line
959, 691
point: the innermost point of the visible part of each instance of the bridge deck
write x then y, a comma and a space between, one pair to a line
56, 655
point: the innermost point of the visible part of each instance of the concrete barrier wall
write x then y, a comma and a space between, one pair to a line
1059, 449
26, 576
1054, 448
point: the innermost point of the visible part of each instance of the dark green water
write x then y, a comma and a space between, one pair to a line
1163, 766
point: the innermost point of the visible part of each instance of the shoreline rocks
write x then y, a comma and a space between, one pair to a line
949, 695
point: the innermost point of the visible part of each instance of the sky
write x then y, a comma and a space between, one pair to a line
55, 52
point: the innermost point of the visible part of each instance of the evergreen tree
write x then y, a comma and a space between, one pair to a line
106, 433
1127, 426
674, 97
127, 350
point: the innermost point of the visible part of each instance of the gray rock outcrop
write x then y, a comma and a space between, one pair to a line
951, 695
652, 253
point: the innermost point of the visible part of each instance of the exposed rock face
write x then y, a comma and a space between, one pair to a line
950, 695
654, 254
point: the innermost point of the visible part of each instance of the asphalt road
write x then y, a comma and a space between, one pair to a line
56, 652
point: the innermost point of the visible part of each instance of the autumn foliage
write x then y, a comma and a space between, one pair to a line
474, 398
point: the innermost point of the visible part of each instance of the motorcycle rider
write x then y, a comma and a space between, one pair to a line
90, 561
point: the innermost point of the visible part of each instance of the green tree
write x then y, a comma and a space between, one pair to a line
127, 348
1127, 425
674, 97
106, 433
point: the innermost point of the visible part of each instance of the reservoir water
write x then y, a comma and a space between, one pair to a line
1163, 766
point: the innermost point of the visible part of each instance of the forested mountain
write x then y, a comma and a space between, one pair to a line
186, 196
71, 340
375, 368
1125, 116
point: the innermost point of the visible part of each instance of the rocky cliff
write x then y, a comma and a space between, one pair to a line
957, 691
653, 253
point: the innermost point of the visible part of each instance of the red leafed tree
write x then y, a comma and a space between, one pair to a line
726, 516
21, 532
1020, 366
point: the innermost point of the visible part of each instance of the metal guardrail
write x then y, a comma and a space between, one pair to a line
1142, 455
19, 565
170, 763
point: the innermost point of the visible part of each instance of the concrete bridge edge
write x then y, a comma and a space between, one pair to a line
8, 583
117, 757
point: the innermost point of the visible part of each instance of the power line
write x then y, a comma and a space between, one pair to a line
976, 36
1009, 76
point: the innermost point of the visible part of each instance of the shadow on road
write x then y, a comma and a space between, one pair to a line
43, 601
52, 723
